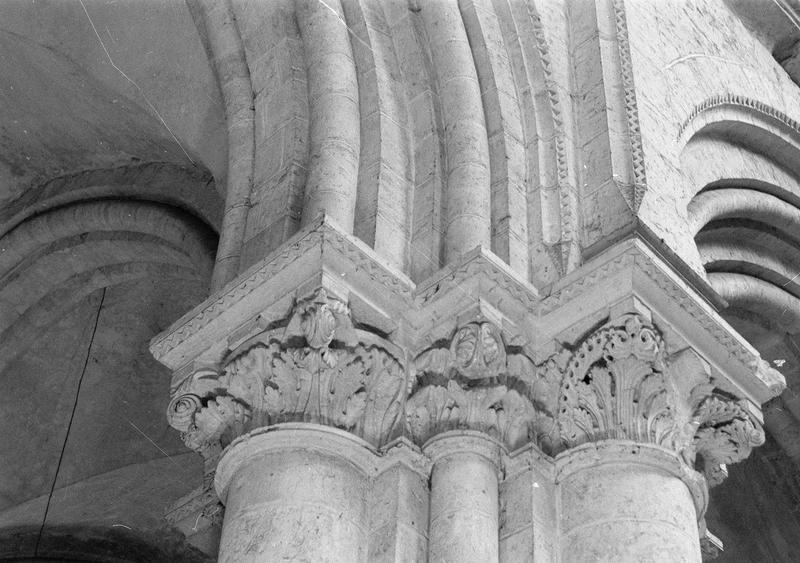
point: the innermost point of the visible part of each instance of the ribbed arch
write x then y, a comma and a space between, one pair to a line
749, 243
189, 189
733, 203
751, 293
52, 261
732, 139
751, 123
422, 130
743, 257
745, 220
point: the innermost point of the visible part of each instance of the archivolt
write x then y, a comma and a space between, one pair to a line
746, 223
749, 243
775, 262
749, 204
51, 261
753, 294
191, 189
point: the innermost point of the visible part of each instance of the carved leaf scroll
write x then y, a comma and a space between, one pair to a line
614, 387
475, 383
618, 386
319, 369
725, 434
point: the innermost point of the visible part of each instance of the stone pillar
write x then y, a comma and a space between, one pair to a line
622, 501
295, 492
467, 205
333, 109
297, 393
638, 426
464, 497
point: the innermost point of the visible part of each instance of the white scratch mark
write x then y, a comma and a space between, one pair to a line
787, 13
135, 85
344, 23
691, 56
791, 280
152, 442
120, 526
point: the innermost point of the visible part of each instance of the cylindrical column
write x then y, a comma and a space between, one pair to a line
467, 205
295, 492
333, 106
622, 501
464, 506
233, 75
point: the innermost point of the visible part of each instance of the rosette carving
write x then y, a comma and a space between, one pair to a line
475, 383
318, 369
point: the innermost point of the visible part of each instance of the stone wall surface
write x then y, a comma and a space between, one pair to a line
683, 55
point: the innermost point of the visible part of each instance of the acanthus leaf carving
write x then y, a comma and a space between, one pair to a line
725, 434
318, 369
475, 383
614, 387
619, 385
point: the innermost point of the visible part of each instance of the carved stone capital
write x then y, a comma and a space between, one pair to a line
620, 384
475, 382
317, 369
725, 434
614, 387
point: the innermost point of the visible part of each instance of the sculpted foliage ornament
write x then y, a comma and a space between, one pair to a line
619, 385
725, 434
614, 388
475, 383
318, 369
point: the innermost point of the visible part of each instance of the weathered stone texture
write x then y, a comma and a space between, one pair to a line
480, 270
683, 53
294, 504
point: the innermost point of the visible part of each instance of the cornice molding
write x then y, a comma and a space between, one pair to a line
320, 248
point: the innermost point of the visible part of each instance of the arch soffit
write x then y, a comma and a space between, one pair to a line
113, 241
189, 189
723, 125
754, 198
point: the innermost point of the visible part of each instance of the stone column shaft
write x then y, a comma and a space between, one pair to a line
333, 110
294, 493
464, 498
627, 502
467, 205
